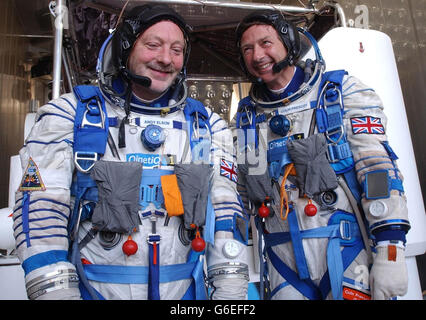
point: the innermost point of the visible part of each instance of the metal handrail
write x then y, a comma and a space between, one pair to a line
57, 57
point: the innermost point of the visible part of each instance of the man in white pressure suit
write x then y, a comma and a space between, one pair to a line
127, 186
317, 170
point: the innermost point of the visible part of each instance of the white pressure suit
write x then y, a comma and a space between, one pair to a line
324, 253
44, 206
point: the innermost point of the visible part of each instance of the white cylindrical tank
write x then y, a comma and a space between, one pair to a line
7, 241
15, 176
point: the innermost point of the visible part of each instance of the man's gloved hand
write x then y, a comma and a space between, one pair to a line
388, 276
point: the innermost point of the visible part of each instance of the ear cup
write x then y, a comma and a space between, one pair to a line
290, 37
122, 43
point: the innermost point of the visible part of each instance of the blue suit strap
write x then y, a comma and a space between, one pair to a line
90, 127
353, 184
198, 277
91, 122
246, 119
90, 138
154, 268
140, 275
192, 106
137, 274
330, 80
197, 289
209, 228
335, 76
86, 92
389, 150
329, 118
348, 255
276, 238
85, 294
296, 239
230, 224
245, 101
199, 129
243, 119
193, 110
305, 286
342, 230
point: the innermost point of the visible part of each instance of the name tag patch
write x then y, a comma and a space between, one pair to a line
146, 121
352, 294
159, 122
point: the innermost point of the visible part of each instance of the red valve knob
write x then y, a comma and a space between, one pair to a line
310, 210
198, 244
130, 247
263, 211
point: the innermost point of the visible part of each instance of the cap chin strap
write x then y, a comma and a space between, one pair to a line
277, 67
121, 131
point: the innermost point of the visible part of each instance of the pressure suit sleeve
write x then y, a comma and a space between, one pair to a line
382, 193
383, 198
227, 259
43, 203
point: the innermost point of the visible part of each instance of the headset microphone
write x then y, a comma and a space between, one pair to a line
141, 80
277, 67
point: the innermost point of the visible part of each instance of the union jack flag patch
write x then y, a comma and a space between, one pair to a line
370, 125
228, 170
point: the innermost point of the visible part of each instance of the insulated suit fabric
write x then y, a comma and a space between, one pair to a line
297, 242
40, 229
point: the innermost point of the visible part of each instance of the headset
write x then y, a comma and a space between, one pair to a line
115, 52
286, 30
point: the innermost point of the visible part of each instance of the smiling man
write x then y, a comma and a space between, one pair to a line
133, 175
158, 54
261, 48
322, 136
